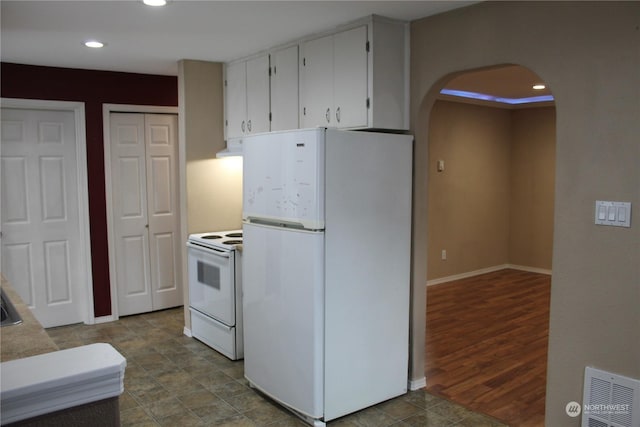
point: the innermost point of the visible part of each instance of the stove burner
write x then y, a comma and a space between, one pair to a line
211, 236
233, 235
232, 242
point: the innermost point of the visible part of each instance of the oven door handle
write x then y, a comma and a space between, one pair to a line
212, 251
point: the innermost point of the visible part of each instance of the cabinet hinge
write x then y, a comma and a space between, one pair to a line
226, 122
269, 115
368, 103
269, 71
304, 62
304, 111
274, 69
225, 82
368, 46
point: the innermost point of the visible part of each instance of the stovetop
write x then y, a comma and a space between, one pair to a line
231, 239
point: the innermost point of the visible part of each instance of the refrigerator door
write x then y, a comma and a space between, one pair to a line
283, 292
283, 178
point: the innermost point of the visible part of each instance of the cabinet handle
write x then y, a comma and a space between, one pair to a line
242, 126
328, 115
338, 114
249, 125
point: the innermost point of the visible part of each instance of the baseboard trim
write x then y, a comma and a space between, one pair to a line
104, 319
187, 332
417, 384
487, 270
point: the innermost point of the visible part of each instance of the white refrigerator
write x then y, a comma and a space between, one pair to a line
326, 259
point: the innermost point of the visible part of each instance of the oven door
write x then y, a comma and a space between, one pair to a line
212, 283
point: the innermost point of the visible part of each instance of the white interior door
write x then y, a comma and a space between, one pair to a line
161, 136
144, 211
41, 236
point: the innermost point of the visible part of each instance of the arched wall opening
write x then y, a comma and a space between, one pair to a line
490, 184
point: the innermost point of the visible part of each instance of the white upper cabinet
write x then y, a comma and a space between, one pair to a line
284, 88
247, 97
333, 80
355, 77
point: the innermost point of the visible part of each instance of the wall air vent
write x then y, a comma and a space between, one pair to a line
610, 400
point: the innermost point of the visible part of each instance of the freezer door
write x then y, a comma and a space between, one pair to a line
283, 178
283, 284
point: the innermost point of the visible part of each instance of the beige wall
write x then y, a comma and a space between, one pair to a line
493, 203
212, 187
532, 178
588, 53
469, 200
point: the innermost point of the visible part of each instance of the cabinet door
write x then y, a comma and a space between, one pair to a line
284, 89
317, 83
258, 95
236, 98
350, 78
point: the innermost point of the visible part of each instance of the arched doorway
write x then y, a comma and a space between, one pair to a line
490, 226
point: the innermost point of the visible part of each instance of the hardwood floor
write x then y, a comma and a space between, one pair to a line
486, 344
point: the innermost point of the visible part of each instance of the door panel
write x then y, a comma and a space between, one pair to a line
283, 306
161, 133
316, 83
236, 97
144, 194
350, 78
284, 89
128, 179
258, 105
40, 221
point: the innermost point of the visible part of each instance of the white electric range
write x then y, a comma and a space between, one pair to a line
215, 290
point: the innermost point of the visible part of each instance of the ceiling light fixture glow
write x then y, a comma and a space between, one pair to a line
485, 97
539, 86
94, 44
155, 3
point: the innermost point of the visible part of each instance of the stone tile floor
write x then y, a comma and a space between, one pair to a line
174, 380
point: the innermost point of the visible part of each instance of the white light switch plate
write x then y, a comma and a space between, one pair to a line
616, 214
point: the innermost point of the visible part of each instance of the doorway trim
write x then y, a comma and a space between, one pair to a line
107, 109
78, 110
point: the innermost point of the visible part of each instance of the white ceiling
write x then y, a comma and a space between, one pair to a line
142, 39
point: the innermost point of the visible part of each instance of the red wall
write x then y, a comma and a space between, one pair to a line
93, 88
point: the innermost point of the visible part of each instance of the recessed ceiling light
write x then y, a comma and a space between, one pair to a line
539, 86
155, 2
95, 44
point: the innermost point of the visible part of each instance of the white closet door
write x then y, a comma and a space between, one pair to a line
161, 134
316, 83
144, 204
129, 210
41, 240
350, 78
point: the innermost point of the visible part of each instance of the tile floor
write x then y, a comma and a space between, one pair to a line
173, 380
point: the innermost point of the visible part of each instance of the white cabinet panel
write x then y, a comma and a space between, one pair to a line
247, 97
284, 89
258, 95
316, 82
350, 78
236, 97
